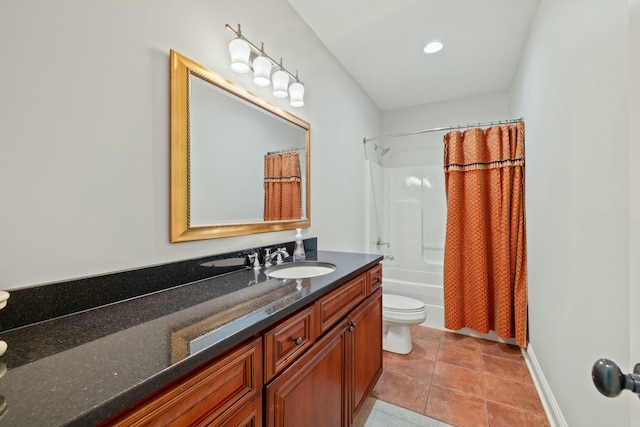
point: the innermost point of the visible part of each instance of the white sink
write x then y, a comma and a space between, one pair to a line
300, 270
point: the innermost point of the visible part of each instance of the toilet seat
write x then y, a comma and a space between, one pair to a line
402, 310
391, 302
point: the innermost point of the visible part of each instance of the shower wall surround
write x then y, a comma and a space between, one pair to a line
408, 210
415, 207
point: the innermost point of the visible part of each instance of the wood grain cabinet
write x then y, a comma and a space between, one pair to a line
365, 349
312, 392
314, 369
337, 304
288, 340
374, 278
213, 395
329, 383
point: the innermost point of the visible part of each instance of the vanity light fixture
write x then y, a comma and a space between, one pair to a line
241, 51
433, 47
296, 93
261, 69
280, 82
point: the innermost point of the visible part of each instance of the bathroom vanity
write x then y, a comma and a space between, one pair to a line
235, 349
317, 365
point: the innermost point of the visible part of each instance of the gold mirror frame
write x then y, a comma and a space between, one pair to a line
181, 231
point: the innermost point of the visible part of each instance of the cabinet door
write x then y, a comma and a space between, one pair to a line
312, 392
215, 392
365, 345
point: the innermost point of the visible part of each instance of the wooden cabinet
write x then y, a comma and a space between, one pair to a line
329, 383
365, 326
213, 395
314, 368
312, 392
338, 303
374, 278
287, 340
248, 416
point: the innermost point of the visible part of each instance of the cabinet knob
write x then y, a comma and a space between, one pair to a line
351, 327
297, 341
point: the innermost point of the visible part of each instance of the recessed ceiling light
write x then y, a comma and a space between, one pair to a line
433, 47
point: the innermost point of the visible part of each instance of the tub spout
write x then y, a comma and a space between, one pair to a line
389, 257
381, 243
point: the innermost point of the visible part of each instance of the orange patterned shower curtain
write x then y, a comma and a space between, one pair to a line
485, 261
282, 186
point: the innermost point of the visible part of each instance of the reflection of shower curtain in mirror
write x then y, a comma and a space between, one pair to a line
485, 264
282, 187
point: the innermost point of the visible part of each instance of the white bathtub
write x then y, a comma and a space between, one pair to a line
421, 285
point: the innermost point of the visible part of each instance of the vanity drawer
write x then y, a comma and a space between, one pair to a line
215, 393
288, 340
374, 278
334, 306
249, 416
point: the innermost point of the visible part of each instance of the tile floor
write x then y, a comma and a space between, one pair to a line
462, 381
376, 413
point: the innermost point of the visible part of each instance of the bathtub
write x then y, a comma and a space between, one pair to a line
422, 285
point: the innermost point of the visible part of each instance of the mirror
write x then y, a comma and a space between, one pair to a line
239, 165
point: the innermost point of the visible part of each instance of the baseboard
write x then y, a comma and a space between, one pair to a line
544, 391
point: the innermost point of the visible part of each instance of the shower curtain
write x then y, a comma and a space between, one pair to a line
485, 261
282, 187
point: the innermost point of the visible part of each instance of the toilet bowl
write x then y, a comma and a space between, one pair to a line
398, 314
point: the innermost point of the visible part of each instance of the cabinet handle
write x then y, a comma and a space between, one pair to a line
297, 341
376, 279
351, 327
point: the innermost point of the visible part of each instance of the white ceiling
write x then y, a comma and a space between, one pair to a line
380, 43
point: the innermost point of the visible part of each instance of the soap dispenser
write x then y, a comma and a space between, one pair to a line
298, 251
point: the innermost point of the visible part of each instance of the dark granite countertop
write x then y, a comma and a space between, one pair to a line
82, 368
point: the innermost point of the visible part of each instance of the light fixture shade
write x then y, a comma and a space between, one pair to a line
296, 94
280, 84
261, 71
239, 51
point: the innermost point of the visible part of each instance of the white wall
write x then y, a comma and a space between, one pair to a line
461, 111
84, 113
572, 90
426, 148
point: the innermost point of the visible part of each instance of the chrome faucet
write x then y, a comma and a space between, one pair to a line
279, 253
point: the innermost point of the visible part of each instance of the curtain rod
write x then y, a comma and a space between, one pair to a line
286, 150
468, 126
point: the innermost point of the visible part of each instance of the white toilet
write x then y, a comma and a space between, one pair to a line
398, 313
